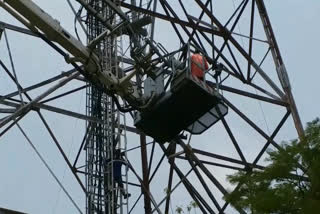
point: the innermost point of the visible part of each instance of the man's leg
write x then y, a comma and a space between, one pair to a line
120, 185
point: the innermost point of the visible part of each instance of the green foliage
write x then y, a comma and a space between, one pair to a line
189, 208
179, 210
194, 204
290, 184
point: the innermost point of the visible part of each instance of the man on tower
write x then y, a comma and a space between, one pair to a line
199, 65
117, 163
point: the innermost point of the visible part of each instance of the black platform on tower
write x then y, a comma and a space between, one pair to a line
190, 105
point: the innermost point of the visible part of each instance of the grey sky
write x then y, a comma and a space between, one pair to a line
27, 186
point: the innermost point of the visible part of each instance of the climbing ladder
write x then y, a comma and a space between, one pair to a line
104, 138
116, 123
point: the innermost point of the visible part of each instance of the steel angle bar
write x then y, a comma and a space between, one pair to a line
200, 21
251, 95
65, 94
130, 129
156, 169
251, 40
205, 170
168, 198
26, 108
225, 43
144, 188
203, 182
73, 170
194, 32
172, 190
4, 25
219, 157
234, 33
38, 85
13, 77
38, 106
235, 60
235, 12
11, 125
227, 166
233, 139
16, 81
251, 123
266, 92
145, 173
137, 147
135, 203
263, 150
241, 7
151, 157
188, 150
170, 19
261, 62
49, 169
235, 73
1, 31
281, 69
7, 110
196, 196
254, 126
275, 132
134, 184
172, 23
173, 149
227, 35
153, 19
84, 141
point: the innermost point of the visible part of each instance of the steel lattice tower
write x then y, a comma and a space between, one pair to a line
253, 71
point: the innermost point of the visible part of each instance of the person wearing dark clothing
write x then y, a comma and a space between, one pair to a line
117, 176
117, 163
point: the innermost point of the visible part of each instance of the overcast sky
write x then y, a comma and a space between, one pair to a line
26, 185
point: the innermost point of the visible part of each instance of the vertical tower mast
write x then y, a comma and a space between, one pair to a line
103, 195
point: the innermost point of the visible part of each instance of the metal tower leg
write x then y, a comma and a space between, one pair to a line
281, 69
